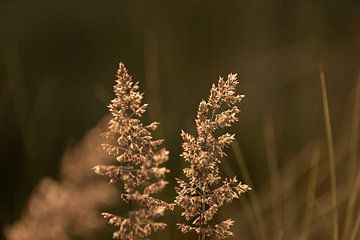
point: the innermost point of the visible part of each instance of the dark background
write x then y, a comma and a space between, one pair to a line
58, 60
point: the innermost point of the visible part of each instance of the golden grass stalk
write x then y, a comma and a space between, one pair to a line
270, 146
354, 138
353, 162
331, 153
310, 196
350, 208
254, 200
356, 228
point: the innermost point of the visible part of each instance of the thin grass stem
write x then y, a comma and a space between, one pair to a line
350, 207
331, 153
353, 163
252, 194
310, 196
273, 166
356, 228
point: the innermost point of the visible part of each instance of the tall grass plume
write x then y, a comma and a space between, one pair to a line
139, 170
202, 195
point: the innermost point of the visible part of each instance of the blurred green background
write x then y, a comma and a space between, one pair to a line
58, 60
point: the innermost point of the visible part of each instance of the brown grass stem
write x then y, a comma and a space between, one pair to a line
273, 166
331, 153
310, 196
252, 194
351, 206
354, 137
356, 228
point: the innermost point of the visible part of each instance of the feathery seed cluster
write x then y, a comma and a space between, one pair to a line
205, 192
140, 158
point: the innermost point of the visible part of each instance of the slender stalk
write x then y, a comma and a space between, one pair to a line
351, 206
252, 194
273, 167
354, 138
203, 207
331, 153
356, 227
353, 162
202, 220
200, 234
310, 198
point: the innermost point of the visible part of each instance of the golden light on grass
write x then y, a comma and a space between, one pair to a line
273, 166
139, 157
68, 208
260, 226
331, 154
354, 181
204, 192
310, 193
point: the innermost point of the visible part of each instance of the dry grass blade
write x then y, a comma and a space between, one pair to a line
255, 204
356, 228
331, 153
270, 146
310, 198
353, 162
351, 207
354, 138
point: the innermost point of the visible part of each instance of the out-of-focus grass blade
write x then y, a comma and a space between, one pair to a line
356, 228
252, 194
354, 137
273, 166
331, 153
310, 197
